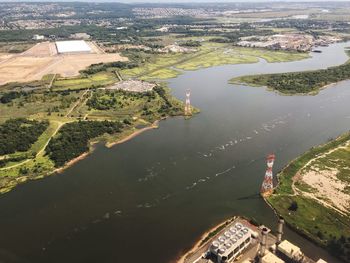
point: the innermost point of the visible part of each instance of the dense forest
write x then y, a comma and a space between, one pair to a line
73, 139
299, 82
17, 135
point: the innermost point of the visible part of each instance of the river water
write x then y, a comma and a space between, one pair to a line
149, 199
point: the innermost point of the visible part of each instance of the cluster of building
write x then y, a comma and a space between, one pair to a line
162, 12
132, 86
296, 42
42, 23
174, 48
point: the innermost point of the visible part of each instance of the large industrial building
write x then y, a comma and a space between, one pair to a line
231, 244
73, 46
242, 242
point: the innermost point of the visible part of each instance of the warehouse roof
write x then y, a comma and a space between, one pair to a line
72, 46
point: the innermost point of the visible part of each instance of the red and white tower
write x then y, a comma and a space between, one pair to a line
188, 110
267, 185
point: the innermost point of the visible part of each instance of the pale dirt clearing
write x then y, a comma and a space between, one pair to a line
42, 59
328, 187
22, 69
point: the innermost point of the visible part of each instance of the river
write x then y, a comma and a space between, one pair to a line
149, 199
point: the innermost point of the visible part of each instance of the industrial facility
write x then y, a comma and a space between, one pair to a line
240, 241
280, 251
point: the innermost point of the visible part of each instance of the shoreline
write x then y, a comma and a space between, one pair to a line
154, 125
82, 156
311, 93
70, 163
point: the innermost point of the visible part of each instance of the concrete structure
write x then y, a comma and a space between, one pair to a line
280, 230
188, 110
271, 258
290, 250
38, 37
231, 244
73, 46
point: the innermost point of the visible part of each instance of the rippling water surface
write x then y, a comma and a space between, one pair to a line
150, 198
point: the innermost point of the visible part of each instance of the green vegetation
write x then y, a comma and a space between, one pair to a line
298, 82
322, 224
209, 54
39, 104
17, 135
72, 139
99, 79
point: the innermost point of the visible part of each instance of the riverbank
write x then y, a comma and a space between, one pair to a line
10, 182
309, 208
127, 137
121, 139
204, 238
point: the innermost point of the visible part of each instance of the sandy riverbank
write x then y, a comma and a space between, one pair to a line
200, 243
109, 145
133, 135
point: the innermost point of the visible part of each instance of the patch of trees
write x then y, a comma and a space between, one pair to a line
73, 139
293, 206
302, 82
17, 135
101, 101
95, 68
10, 96
340, 247
191, 43
167, 108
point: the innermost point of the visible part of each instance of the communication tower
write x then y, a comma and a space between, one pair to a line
267, 185
188, 110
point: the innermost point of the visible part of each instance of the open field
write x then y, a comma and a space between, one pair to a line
42, 59
14, 47
319, 183
84, 82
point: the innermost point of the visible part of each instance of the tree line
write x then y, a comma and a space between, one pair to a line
73, 139
17, 135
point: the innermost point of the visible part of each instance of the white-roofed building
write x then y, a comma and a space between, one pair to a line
231, 244
290, 250
73, 46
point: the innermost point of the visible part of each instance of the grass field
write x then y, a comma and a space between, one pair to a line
85, 82
39, 106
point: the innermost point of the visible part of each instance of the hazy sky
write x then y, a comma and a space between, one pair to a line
173, 1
